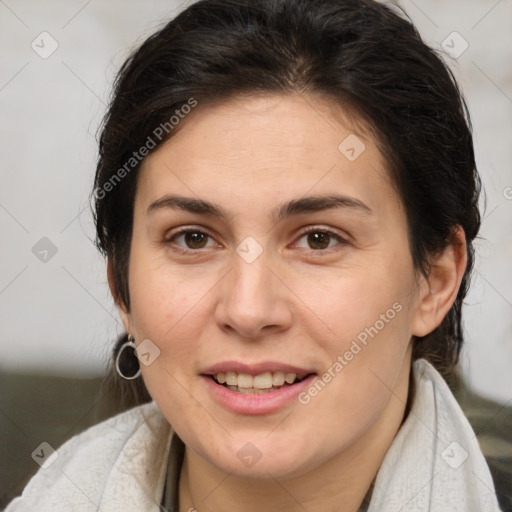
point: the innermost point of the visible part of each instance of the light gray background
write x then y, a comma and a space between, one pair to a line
58, 317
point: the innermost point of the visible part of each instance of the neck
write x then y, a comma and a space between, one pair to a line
339, 484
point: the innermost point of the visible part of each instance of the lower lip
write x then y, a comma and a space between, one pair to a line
264, 403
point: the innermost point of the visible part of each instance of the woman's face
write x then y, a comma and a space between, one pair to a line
295, 260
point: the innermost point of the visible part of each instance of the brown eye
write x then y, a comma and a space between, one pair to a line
319, 239
195, 239
190, 239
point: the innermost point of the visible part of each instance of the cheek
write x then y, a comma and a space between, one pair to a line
169, 308
163, 296
368, 338
360, 302
365, 355
362, 322
171, 313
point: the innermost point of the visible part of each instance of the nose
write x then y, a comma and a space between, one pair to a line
253, 301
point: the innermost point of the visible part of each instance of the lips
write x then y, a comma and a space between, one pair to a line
252, 401
255, 388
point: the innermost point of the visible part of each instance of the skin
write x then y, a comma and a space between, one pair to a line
296, 303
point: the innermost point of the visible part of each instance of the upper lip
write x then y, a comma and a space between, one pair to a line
254, 368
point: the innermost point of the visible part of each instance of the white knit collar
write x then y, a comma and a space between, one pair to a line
434, 463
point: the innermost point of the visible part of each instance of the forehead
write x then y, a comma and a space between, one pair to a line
266, 148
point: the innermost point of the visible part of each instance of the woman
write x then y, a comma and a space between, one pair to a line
287, 197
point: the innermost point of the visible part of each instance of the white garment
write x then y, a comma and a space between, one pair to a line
116, 466
433, 465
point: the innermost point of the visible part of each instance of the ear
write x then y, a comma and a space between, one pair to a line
121, 307
439, 290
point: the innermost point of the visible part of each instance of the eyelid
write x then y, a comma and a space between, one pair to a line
185, 229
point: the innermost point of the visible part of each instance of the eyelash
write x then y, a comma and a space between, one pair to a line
314, 229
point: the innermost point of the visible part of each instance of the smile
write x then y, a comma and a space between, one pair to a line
252, 400
266, 382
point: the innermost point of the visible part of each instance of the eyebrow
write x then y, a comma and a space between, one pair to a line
285, 210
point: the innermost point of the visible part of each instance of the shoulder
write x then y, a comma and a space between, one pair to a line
434, 461
77, 476
108, 437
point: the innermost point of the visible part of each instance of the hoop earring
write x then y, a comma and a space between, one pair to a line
131, 362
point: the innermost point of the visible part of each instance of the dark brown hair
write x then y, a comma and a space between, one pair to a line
364, 55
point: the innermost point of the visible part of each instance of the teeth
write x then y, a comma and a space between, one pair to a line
244, 380
290, 378
278, 378
263, 382
231, 379
252, 391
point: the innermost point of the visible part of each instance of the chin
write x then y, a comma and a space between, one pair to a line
262, 458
